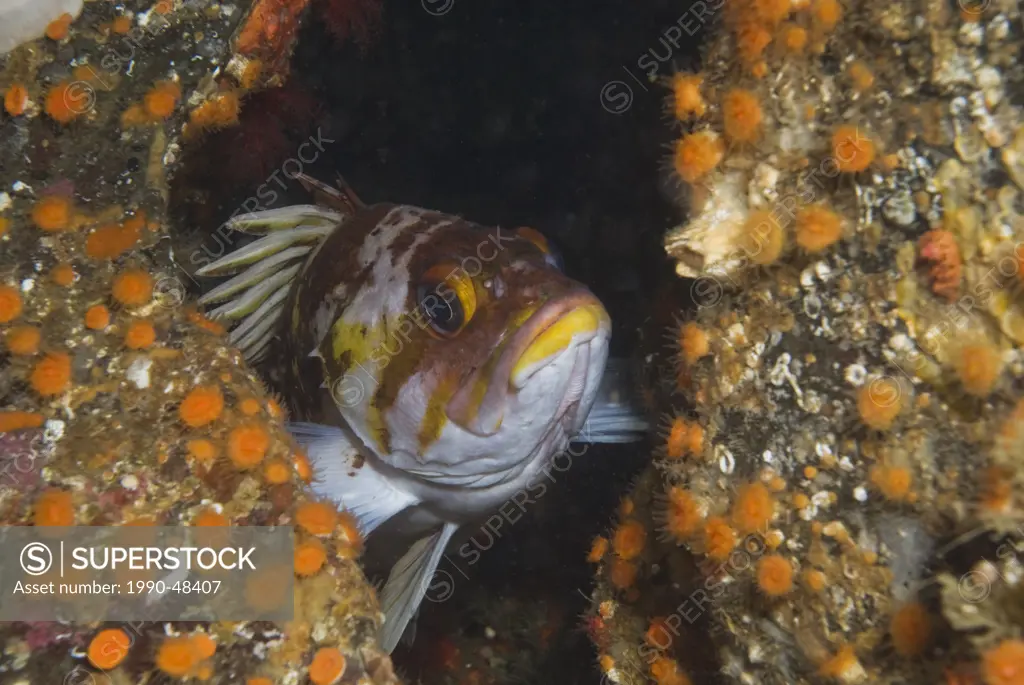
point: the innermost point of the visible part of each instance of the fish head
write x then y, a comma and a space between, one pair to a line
468, 352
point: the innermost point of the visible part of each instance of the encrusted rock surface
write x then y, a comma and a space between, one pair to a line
838, 500
120, 404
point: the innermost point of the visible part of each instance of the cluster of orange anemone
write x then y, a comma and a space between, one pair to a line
188, 656
756, 24
157, 105
239, 434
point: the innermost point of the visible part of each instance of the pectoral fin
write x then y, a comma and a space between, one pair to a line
343, 476
407, 584
617, 415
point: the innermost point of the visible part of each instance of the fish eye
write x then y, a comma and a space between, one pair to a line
551, 255
446, 297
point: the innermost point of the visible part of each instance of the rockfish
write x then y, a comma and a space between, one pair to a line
436, 365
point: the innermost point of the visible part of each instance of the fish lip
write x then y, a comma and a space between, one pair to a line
487, 419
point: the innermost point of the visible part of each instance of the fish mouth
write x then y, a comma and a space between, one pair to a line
567, 321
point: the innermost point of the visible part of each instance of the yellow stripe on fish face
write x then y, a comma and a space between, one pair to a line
351, 347
352, 341
558, 335
484, 380
435, 418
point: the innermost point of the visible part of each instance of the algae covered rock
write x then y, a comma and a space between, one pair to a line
835, 493
121, 405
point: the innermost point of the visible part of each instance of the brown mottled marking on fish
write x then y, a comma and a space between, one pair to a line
338, 262
335, 262
344, 361
456, 243
410, 339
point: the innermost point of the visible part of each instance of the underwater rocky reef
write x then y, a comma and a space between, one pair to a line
832, 494
835, 493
